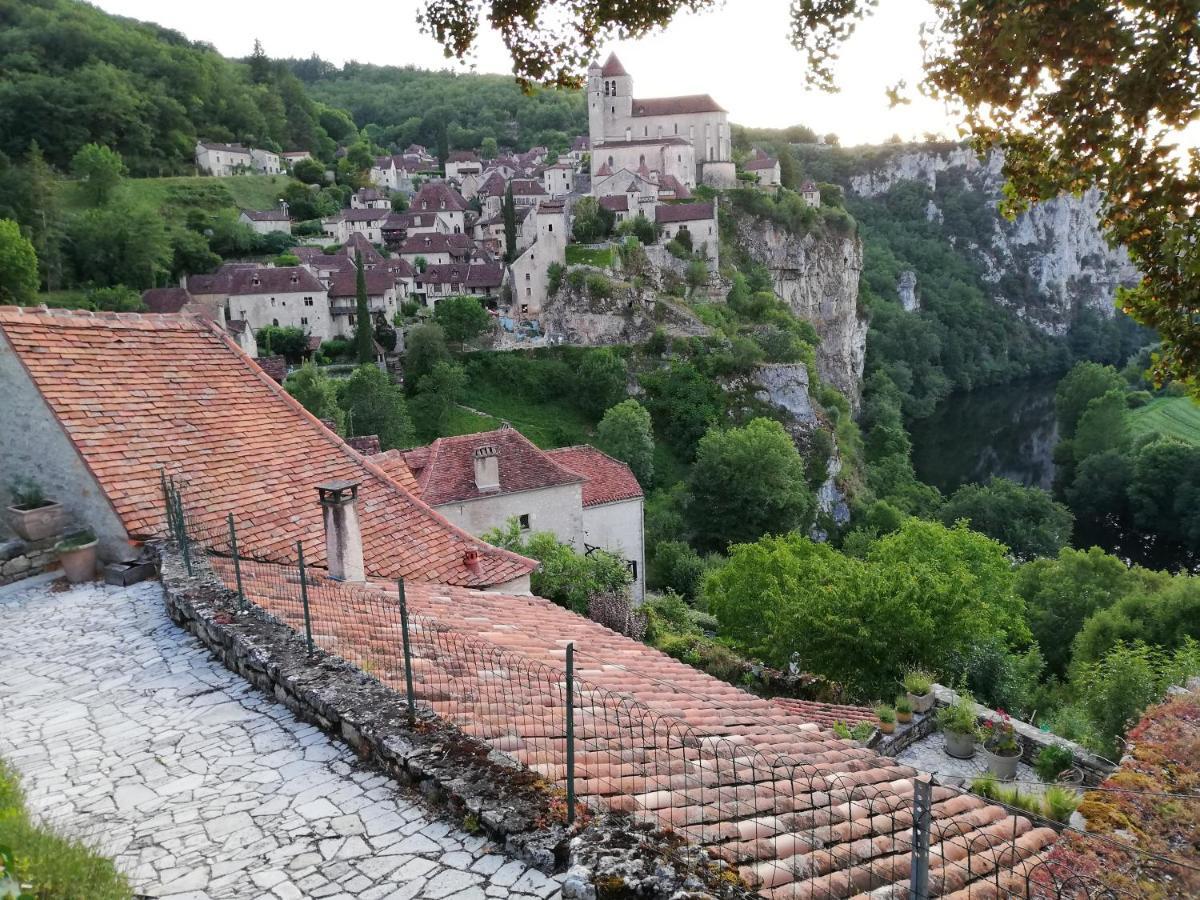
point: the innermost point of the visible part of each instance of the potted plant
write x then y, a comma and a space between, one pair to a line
904, 709
32, 516
887, 718
77, 553
1001, 746
960, 726
1055, 763
919, 685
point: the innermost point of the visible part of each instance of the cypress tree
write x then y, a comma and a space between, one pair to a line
510, 224
364, 338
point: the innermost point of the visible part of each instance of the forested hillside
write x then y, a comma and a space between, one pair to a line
72, 75
444, 110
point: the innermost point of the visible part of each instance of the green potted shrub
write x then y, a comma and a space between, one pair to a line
887, 718
904, 709
1055, 763
77, 553
919, 685
1001, 746
959, 724
32, 516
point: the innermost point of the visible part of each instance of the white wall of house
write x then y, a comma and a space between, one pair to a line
343, 311
557, 509
704, 233
221, 162
618, 528
558, 180
265, 161
529, 270
306, 310
261, 227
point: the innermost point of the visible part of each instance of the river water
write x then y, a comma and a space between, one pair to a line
1010, 430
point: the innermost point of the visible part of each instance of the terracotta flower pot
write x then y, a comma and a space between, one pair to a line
79, 562
903, 716
960, 746
35, 524
1003, 767
887, 727
921, 703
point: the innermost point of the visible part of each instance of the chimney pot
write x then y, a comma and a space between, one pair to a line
343, 536
487, 468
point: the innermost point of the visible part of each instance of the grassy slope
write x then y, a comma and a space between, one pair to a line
249, 191
1178, 416
549, 424
56, 866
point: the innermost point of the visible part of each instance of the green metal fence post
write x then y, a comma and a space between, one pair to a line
237, 564
918, 871
167, 503
304, 597
408, 679
571, 733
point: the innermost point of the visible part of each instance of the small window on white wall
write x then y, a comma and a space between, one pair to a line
524, 520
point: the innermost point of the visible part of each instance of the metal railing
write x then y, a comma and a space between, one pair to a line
788, 827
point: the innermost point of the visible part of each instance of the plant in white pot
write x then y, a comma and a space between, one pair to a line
1001, 746
31, 515
77, 553
919, 685
959, 726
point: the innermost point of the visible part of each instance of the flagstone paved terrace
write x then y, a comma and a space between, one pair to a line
129, 735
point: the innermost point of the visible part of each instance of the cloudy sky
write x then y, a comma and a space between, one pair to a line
738, 53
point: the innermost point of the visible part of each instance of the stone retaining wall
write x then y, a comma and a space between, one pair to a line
20, 559
606, 854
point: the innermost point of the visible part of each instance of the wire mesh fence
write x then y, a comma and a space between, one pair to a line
803, 824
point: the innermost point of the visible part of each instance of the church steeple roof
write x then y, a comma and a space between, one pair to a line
612, 67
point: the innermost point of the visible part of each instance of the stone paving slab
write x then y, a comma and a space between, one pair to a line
128, 735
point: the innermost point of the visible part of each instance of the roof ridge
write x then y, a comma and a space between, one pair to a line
14, 312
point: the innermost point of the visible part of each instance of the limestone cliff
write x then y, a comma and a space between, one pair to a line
817, 276
629, 315
1049, 262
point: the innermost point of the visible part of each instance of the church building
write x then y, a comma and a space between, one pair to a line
686, 138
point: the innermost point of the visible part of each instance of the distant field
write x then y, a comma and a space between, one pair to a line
589, 256
249, 191
463, 421
1179, 416
547, 424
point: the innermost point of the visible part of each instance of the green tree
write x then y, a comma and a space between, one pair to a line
99, 171
18, 266
373, 405
590, 222
288, 341
488, 148
1103, 426
675, 566
509, 211
1162, 613
625, 433
316, 392
309, 171
424, 348
1025, 519
120, 244
461, 318
436, 395
364, 333
1164, 490
1061, 593
600, 381
923, 596
683, 402
747, 482
565, 577
1099, 486
1084, 383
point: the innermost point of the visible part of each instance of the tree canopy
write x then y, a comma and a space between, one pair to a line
1025, 519
625, 432
462, 318
374, 405
18, 266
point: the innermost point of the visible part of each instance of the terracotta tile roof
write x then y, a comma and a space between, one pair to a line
615, 202
474, 274
366, 195
612, 67
277, 280
228, 148
137, 392
358, 243
676, 106
760, 162
446, 468
807, 185
671, 184
608, 480
436, 242
345, 283
440, 197
392, 464
166, 300
265, 215
462, 156
360, 215
683, 212
825, 714
524, 187
798, 812
493, 185
581, 143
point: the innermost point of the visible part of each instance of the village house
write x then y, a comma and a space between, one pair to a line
265, 162
266, 221
113, 402
527, 192
765, 167
530, 276
476, 279
580, 147
445, 203
559, 179
436, 248
291, 157
213, 158
343, 298
623, 129
698, 219
287, 297
370, 198
367, 222
580, 495
461, 163
810, 193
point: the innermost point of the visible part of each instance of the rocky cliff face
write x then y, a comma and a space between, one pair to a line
818, 279
628, 316
1049, 262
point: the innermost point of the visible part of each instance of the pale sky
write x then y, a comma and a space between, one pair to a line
739, 53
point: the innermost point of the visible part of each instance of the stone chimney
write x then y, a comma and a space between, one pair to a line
343, 537
487, 468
